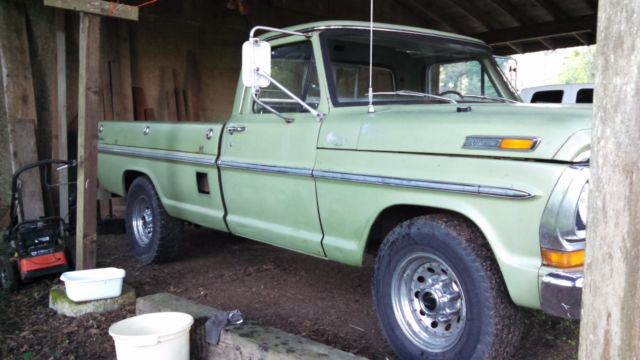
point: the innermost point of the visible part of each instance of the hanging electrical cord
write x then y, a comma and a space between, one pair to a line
147, 3
371, 108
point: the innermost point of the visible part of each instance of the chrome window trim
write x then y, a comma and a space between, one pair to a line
156, 154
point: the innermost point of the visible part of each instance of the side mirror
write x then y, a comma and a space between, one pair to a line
256, 57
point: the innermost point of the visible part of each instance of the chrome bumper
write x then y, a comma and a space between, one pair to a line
561, 293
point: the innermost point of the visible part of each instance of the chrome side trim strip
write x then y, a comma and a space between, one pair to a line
426, 184
329, 175
156, 154
265, 168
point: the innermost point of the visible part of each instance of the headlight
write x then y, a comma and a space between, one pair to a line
563, 223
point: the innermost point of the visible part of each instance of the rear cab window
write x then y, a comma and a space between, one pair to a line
584, 96
548, 96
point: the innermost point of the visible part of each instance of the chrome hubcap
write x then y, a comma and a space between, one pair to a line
428, 302
142, 221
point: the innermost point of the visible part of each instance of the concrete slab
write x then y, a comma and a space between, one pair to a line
246, 341
59, 302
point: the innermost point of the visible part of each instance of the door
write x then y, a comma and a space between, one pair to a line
266, 163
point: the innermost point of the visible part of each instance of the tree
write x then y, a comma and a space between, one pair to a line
611, 297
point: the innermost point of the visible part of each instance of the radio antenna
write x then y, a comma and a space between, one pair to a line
371, 108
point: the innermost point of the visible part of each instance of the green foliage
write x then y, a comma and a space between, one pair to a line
579, 66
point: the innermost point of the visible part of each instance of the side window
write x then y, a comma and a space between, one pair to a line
294, 68
549, 96
584, 96
465, 78
352, 81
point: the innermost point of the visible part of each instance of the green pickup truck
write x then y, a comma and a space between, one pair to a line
412, 147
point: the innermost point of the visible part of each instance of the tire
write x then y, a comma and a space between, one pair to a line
8, 274
154, 236
439, 293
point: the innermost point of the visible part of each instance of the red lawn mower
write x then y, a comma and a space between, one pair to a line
35, 247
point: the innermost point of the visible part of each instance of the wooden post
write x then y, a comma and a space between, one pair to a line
89, 113
62, 153
88, 117
611, 298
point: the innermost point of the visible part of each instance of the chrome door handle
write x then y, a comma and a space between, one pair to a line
235, 128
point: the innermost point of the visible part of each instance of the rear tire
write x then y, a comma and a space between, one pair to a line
154, 236
439, 293
8, 274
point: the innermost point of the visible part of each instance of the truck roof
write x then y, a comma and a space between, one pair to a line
347, 24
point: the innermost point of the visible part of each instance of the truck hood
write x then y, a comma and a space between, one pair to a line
564, 130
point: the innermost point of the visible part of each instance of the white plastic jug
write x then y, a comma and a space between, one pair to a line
157, 336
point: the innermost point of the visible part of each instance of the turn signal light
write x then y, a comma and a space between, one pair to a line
562, 259
517, 144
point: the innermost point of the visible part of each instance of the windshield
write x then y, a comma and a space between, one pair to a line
410, 68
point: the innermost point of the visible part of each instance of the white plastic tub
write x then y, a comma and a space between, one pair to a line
94, 284
157, 336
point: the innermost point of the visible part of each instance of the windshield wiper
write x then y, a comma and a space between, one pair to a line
415, 93
501, 99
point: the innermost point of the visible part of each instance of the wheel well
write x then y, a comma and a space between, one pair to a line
390, 217
129, 177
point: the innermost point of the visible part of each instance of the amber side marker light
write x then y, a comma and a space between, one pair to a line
562, 259
517, 144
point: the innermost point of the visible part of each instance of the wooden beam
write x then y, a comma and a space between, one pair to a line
97, 7
505, 49
428, 15
610, 298
512, 11
547, 42
88, 116
541, 30
552, 9
593, 4
474, 12
517, 48
583, 38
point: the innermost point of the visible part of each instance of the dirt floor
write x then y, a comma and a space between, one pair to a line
325, 301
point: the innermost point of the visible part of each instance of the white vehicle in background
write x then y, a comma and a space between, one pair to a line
559, 94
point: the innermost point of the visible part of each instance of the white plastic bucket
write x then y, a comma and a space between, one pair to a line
157, 336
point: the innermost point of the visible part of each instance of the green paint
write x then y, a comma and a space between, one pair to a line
333, 219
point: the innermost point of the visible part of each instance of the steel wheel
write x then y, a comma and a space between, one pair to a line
428, 302
142, 221
154, 236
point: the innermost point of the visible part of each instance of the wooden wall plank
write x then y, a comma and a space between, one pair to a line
61, 153
167, 93
121, 71
18, 102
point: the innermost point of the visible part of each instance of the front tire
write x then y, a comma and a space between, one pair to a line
153, 234
439, 293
